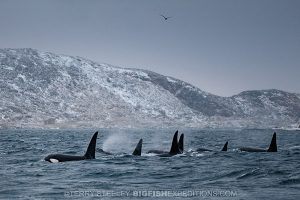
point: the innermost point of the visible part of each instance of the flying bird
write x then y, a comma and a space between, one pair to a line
165, 18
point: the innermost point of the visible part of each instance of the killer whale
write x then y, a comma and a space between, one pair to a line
272, 146
204, 149
177, 147
225, 146
90, 153
137, 151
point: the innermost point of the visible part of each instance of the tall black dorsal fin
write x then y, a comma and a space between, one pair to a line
174, 148
273, 145
90, 152
180, 143
138, 149
225, 147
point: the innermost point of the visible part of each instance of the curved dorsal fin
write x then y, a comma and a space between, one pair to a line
225, 146
90, 152
273, 144
174, 148
138, 149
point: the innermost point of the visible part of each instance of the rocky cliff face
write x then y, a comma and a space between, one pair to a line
41, 89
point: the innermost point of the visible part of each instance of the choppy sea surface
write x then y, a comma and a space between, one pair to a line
208, 175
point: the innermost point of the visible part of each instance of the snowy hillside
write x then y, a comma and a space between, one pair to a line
41, 89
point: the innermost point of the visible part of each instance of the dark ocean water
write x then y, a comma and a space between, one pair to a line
211, 175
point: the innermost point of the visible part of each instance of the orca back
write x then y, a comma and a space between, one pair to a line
225, 147
90, 152
63, 158
174, 148
180, 143
273, 145
138, 149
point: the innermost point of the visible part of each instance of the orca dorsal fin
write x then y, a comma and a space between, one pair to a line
174, 148
138, 149
225, 146
90, 152
273, 145
180, 143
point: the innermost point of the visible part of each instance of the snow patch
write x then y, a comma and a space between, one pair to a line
8, 68
171, 80
14, 86
22, 77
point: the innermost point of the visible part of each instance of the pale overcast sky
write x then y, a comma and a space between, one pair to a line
221, 46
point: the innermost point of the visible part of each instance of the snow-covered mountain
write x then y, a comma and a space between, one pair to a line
41, 89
